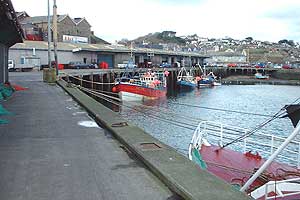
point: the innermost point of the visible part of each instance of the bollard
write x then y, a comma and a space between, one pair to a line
45, 74
49, 75
52, 75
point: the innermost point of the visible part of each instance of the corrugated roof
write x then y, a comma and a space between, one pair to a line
41, 45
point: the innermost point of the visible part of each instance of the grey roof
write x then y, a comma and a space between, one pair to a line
224, 53
41, 19
44, 19
77, 19
43, 45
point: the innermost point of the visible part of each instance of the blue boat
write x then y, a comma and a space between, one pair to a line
261, 76
186, 80
208, 80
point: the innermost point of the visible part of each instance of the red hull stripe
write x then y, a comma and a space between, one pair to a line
135, 89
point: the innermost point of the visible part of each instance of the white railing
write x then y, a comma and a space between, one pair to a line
278, 189
291, 186
264, 144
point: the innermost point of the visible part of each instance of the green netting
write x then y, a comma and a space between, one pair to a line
5, 91
197, 158
3, 121
3, 111
236, 186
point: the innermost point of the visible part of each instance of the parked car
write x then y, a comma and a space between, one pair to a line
127, 64
163, 65
122, 65
260, 65
286, 67
81, 65
277, 66
232, 65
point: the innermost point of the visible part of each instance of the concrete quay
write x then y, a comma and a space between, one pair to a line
45, 154
182, 176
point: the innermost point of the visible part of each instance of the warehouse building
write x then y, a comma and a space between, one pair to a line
35, 53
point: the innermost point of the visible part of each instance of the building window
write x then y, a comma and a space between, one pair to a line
22, 60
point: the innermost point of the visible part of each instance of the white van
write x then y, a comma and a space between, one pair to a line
11, 65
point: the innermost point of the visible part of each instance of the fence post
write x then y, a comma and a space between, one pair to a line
221, 136
298, 164
272, 144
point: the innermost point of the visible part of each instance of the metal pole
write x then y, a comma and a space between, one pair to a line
55, 35
271, 158
49, 36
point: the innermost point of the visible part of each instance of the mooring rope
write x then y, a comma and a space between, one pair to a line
93, 82
277, 115
223, 110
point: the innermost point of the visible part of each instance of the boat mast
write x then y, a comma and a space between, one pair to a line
131, 51
271, 158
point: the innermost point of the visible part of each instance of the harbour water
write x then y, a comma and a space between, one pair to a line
173, 120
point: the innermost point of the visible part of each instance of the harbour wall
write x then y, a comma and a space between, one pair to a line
103, 79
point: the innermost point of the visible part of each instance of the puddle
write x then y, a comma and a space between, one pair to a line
79, 113
72, 107
88, 124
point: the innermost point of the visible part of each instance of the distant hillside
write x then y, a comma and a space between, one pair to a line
283, 51
164, 37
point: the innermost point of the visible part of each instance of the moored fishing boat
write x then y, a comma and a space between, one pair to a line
149, 85
261, 76
245, 164
208, 80
187, 80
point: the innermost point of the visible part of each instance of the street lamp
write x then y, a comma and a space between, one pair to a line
49, 37
55, 35
54, 28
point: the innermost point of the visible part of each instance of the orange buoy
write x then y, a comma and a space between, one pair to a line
114, 89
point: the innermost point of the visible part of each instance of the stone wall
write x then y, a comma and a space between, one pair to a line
84, 29
66, 27
287, 74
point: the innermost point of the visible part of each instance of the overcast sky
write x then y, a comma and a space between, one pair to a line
270, 20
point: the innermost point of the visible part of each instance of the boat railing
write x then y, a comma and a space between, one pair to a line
283, 188
262, 143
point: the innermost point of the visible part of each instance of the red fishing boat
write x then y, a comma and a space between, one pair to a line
149, 85
245, 164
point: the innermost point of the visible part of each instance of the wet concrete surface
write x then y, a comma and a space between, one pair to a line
46, 154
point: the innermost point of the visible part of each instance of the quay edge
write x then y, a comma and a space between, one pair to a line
175, 170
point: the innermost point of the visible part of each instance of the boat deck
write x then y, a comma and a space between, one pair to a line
238, 170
